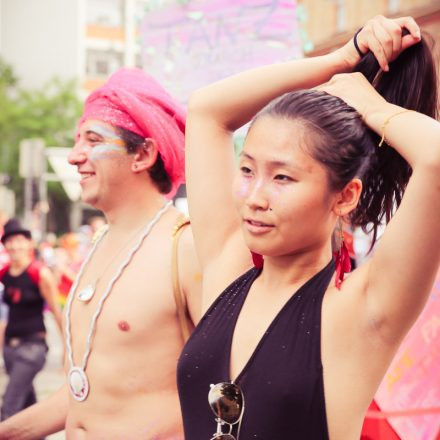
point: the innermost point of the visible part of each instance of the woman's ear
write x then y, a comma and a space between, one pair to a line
348, 198
145, 157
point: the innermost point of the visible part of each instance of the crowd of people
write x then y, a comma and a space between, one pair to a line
283, 344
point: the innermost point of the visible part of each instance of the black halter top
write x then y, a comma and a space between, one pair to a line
282, 382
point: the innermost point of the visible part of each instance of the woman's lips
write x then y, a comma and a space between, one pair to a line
257, 227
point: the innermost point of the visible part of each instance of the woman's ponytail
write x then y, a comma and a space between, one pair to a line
337, 137
410, 83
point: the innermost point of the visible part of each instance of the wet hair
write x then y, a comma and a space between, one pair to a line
157, 171
335, 135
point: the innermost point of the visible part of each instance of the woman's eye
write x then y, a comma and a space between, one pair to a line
245, 170
283, 178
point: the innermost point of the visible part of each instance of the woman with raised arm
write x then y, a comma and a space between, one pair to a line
290, 349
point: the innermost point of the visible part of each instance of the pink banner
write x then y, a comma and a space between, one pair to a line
192, 43
413, 379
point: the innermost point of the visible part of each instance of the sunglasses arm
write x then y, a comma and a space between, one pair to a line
219, 426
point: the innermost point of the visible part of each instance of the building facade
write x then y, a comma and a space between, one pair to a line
83, 39
90, 39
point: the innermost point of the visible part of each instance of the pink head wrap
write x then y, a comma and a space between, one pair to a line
133, 100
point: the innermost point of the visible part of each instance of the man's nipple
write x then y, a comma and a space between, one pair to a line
124, 326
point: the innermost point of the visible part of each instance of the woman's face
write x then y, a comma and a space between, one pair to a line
281, 192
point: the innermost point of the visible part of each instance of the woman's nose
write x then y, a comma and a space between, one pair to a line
257, 198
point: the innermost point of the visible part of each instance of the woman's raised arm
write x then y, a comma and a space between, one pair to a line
216, 111
405, 262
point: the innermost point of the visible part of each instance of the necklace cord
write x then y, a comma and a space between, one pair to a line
95, 316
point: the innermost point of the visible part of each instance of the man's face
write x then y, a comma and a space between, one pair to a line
18, 247
102, 161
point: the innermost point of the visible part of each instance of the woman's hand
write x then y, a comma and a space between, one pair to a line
383, 37
356, 91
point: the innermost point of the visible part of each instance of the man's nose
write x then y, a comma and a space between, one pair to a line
77, 154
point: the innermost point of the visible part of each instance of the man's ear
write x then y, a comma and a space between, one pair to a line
348, 198
145, 157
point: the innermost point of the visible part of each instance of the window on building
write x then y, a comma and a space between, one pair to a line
341, 15
138, 62
103, 63
105, 12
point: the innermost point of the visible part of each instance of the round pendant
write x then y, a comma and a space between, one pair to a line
78, 383
87, 293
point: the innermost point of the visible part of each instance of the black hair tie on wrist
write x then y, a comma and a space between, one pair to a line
361, 54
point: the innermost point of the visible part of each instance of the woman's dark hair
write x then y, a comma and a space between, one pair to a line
157, 172
340, 140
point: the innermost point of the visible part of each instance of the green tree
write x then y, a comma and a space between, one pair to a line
49, 113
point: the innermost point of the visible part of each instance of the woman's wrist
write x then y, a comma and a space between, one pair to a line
347, 57
376, 116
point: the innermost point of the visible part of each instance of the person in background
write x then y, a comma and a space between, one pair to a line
67, 264
27, 287
4, 261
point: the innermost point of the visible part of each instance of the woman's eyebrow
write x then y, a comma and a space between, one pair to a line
274, 163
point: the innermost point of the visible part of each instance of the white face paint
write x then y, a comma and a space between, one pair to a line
103, 151
112, 143
104, 132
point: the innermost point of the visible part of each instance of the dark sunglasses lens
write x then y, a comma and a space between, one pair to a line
226, 400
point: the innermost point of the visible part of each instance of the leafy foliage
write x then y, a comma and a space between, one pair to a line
49, 113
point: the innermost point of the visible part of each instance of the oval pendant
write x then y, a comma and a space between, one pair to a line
87, 293
78, 383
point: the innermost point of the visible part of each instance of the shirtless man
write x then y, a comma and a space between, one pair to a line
134, 346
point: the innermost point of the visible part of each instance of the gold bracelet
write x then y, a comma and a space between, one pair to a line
382, 140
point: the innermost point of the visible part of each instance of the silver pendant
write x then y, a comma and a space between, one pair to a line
78, 383
87, 293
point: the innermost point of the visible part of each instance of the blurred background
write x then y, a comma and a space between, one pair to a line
53, 53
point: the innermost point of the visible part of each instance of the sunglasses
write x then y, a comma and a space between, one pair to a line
227, 403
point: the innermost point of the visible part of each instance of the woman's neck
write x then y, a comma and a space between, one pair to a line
293, 269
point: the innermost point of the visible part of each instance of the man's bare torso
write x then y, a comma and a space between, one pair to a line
132, 365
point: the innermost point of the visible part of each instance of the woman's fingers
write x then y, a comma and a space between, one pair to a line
410, 24
412, 27
375, 46
394, 32
385, 40
384, 37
